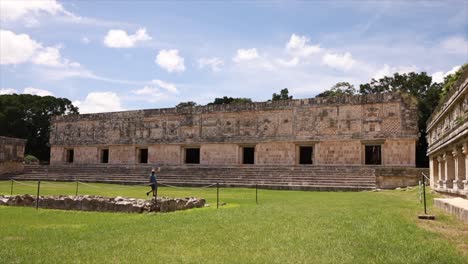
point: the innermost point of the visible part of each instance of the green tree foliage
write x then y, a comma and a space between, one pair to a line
420, 86
186, 104
230, 100
450, 80
283, 95
339, 89
27, 116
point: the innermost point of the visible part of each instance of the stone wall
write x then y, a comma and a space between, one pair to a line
104, 204
11, 155
394, 177
337, 127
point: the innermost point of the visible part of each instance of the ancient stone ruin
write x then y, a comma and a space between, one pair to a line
11, 155
104, 204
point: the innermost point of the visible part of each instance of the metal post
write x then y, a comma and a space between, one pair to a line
76, 192
37, 196
11, 188
217, 195
256, 193
424, 193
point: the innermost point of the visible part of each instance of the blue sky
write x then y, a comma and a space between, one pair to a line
122, 55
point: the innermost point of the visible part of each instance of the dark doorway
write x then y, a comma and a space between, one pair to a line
104, 156
192, 155
70, 155
143, 155
305, 155
373, 155
248, 155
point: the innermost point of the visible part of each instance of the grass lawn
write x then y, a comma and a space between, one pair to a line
286, 227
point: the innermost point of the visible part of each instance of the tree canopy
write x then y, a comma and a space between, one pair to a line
230, 100
28, 116
339, 89
283, 95
186, 104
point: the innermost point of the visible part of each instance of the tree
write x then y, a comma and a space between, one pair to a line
450, 80
339, 89
27, 116
284, 95
230, 100
186, 104
426, 92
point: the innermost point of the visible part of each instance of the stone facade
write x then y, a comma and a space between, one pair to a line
319, 131
11, 155
447, 132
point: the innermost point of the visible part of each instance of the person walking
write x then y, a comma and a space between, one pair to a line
153, 181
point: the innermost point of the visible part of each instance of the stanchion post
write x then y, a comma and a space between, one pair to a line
217, 195
37, 196
424, 193
76, 192
256, 193
11, 188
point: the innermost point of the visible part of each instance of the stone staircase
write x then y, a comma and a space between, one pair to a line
324, 178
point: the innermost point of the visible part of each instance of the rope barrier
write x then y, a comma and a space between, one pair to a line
25, 184
177, 187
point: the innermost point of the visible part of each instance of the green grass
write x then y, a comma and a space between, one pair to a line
286, 227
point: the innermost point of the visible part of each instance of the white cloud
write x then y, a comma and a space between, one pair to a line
170, 87
245, 55
117, 38
214, 63
338, 61
147, 90
16, 49
440, 75
298, 46
85, 40
37, 91
455, 45
170, 60
288, 63
387, 70
8, 91
17, 10
97, 102
20, 48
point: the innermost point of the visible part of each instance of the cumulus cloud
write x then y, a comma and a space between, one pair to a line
85, 40
387, 70
97, 102
440, 75
288, 63
8, 91
37, 91
245, 55
170, 60
155, 91
20, 48
16, 49
27, 90
455, 45
338, 61
28, 10
117, 38
214, 64
298, 46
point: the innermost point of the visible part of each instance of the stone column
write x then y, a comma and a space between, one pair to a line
434, 171
459, 169
465, 176
449, 170
440, 161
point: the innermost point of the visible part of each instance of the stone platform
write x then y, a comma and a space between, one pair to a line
104, 204
456, 206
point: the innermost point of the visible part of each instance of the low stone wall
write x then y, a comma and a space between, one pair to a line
394, 177
11, 167
455, 206
104, 204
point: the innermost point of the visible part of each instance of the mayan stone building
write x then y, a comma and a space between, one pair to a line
378, 129
447, 132
11, 155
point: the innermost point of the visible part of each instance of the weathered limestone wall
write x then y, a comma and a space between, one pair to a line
11, 155
337, 128
341, 152
394, 177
